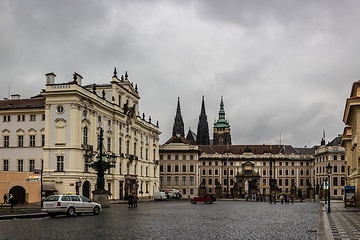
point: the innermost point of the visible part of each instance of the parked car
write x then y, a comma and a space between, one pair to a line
159, 196
205, 199
69, 205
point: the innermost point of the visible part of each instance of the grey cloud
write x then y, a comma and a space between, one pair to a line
282, 66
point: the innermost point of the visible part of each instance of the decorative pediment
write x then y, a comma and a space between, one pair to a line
42, 130
60, 120
20, 131
129, 88
6, 131
31, 130
86, 122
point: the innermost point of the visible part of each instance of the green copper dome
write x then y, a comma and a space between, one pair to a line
221, 122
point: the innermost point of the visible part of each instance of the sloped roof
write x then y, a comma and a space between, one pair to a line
240, 149
335, 141
175, 139
191, 136
306, 151
22, 103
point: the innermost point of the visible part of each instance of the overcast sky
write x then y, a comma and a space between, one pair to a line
283, 67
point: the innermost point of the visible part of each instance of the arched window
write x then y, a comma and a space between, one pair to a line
85, 139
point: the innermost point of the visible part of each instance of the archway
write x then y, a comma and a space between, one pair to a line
86, 189
18, 193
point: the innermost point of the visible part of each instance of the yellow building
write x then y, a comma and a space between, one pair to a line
349, 139
23, 134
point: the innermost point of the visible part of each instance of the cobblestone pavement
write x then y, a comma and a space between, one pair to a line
344, 222
176, 220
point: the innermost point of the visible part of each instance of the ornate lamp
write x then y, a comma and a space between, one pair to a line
328, 171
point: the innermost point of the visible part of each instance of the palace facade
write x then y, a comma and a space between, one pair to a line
56, 129
241, 170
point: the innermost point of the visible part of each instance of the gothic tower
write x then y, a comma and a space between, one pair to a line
178, 128
222, 134
202, 137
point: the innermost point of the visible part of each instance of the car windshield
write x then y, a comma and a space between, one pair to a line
51, 199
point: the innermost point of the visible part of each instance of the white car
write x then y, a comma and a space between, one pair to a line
158, 196
69, 205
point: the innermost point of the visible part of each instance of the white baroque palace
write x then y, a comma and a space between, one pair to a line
68, 124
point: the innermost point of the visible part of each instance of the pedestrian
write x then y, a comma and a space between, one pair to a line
274, 198
134, 201
292, 199
130, 198
11, 200
282, 198
5, 198
287, 200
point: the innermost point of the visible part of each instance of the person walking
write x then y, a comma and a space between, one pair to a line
5, 198
130, 200
282, 198
134, 201
11, 200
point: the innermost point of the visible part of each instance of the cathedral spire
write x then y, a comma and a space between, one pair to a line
178, 128
202, 137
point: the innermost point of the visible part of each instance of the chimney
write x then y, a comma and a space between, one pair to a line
50, 78
78, 78
15, 96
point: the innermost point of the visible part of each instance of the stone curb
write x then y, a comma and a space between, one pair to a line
24, 215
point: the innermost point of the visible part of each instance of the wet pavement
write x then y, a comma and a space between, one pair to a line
176, 220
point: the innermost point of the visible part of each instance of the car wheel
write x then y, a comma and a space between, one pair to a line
51, 214
193, 201
96, 210
70, 212
209, 201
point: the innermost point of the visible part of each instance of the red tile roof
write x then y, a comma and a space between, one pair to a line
22, 103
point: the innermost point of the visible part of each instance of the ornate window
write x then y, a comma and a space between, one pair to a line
85, 136
32, 141
60, 163
6, 141
60, 109
20, 140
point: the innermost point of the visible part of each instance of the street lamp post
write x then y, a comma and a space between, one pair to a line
328, 171
101, 165
270, 181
